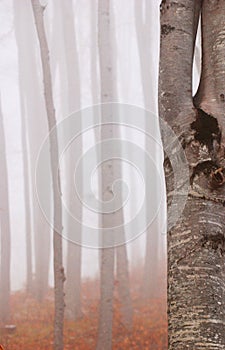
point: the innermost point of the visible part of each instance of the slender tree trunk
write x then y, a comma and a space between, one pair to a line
59, 277
26, 163
196, 243
107, 254
122, 266
4, 231
124, 286
27, 197
68, 57
32, 104
145, 39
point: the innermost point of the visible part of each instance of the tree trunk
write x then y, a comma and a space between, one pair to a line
4, 231
124, 286
25, 146
27, 197
59, 277
107, 254
196, 242
32, 104
67, 56
147, 49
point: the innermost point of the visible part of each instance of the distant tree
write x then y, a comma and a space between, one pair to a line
144, 17
59, 277
110, 172
25, 148
5, 234
107, 176
122, 265
65, 46
33, 116
27, 199
196, 278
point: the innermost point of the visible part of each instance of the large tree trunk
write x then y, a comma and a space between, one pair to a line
59, 277
196, 278
5, 234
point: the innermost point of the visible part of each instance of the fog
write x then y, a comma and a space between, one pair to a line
81, 69
130, 92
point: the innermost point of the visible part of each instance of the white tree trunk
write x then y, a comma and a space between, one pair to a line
147, 55
67, 61
107, 254
4, 231
59, 277
33, 109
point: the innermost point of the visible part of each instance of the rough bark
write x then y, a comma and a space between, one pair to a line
210, 95
59, 277
196, 243
4, 231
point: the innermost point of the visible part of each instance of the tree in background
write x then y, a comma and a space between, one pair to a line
33, 116
4, 231
196, 278
59, 277
145, 11
110, 171
107, 177
64, 37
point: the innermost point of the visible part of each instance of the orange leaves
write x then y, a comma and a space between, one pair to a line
34, 323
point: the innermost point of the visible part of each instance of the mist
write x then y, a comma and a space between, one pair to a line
90, 67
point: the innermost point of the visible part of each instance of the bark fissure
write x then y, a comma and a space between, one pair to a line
196, 274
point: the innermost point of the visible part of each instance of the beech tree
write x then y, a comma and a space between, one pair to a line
107, 176
5, 234
110, 171
196, 278
147, 46
59, 277
33, 118
65, 46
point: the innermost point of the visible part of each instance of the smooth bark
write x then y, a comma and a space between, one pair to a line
25, 147
146, 39
33, 110
4, 231
107, 172
67, 60
59, 277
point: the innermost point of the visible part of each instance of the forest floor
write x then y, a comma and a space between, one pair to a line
34, 323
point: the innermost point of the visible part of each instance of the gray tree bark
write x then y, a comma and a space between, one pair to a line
59, 277
196, 275
4, 231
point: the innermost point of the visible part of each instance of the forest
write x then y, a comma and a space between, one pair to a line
112, 160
